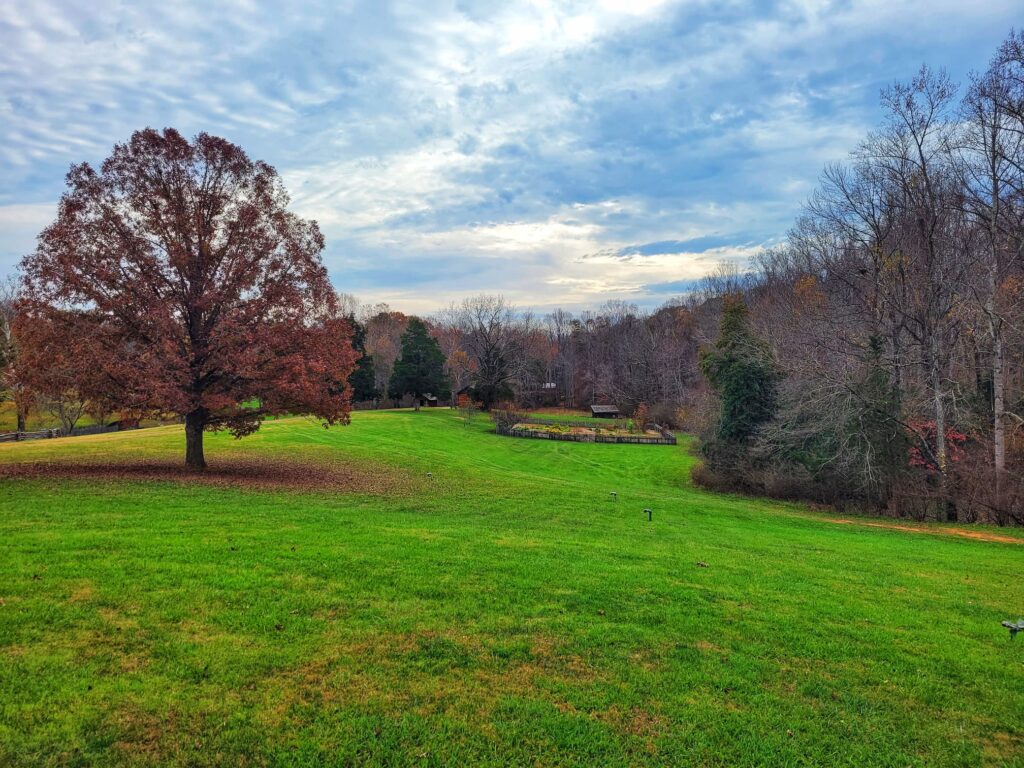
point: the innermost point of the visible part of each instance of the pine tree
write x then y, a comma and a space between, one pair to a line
741, 371
876, 426
362, 379
419, 369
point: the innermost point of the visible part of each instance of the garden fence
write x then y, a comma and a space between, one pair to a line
667, 438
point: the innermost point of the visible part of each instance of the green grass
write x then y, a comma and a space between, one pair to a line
504, 612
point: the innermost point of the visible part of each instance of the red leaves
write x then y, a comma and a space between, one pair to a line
175, 279
925, 431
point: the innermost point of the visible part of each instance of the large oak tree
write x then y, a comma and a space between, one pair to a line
180, 283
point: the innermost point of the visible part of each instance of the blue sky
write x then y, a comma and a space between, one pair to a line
558, 153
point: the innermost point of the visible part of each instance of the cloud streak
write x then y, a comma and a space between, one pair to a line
561, 153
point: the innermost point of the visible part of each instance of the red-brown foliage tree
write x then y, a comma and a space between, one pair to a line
177, 281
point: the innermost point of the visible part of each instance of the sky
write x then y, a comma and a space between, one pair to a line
556, 153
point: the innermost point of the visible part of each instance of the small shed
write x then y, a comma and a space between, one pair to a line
429, 401
604, 411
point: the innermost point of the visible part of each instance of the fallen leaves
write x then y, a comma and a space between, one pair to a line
266, 473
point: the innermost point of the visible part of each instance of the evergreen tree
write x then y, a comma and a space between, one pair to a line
419, 369
741, 371
876, 427
362, 379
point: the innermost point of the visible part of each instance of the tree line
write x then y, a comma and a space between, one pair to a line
492, 353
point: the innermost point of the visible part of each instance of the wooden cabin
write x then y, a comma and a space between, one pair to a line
604, 411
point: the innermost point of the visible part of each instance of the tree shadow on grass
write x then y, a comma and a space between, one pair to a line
254, 473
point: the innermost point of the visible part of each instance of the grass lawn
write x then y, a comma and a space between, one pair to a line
320, 600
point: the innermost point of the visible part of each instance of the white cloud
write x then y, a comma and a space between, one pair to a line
19, 225
528, 141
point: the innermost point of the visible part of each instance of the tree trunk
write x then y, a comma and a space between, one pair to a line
995, 322
999, 407
21, 410
998, 378
195, 423
941, 454
935, 376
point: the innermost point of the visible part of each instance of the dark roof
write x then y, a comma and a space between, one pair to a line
604, 409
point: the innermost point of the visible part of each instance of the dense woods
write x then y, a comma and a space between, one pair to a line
894, 313
495, 353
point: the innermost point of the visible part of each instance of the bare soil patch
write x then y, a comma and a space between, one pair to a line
961, 532
265, 473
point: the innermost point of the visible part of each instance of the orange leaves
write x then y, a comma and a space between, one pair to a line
193, 289
1010, 291
810, 299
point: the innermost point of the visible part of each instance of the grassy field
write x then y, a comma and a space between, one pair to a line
319, 599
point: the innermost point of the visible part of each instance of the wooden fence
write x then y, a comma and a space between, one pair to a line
12, 437
93, 429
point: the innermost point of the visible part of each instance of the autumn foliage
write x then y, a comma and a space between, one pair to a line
641, 418
924, 433
175, 280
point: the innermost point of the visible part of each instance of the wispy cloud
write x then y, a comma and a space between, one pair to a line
19, 225
558, 152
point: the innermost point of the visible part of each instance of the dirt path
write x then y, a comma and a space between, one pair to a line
961, 532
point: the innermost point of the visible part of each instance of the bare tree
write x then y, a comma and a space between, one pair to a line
561, 330
933, 255
10, 386
349, 305
384, 329
459, 366
989, 150
493, 336
66, 406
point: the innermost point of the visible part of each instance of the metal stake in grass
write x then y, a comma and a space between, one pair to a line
649, 513
614, 495
1014, 628
430, 474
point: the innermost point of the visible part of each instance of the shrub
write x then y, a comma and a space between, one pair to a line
640, 419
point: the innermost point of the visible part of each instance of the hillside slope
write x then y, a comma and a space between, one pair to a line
319, 599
